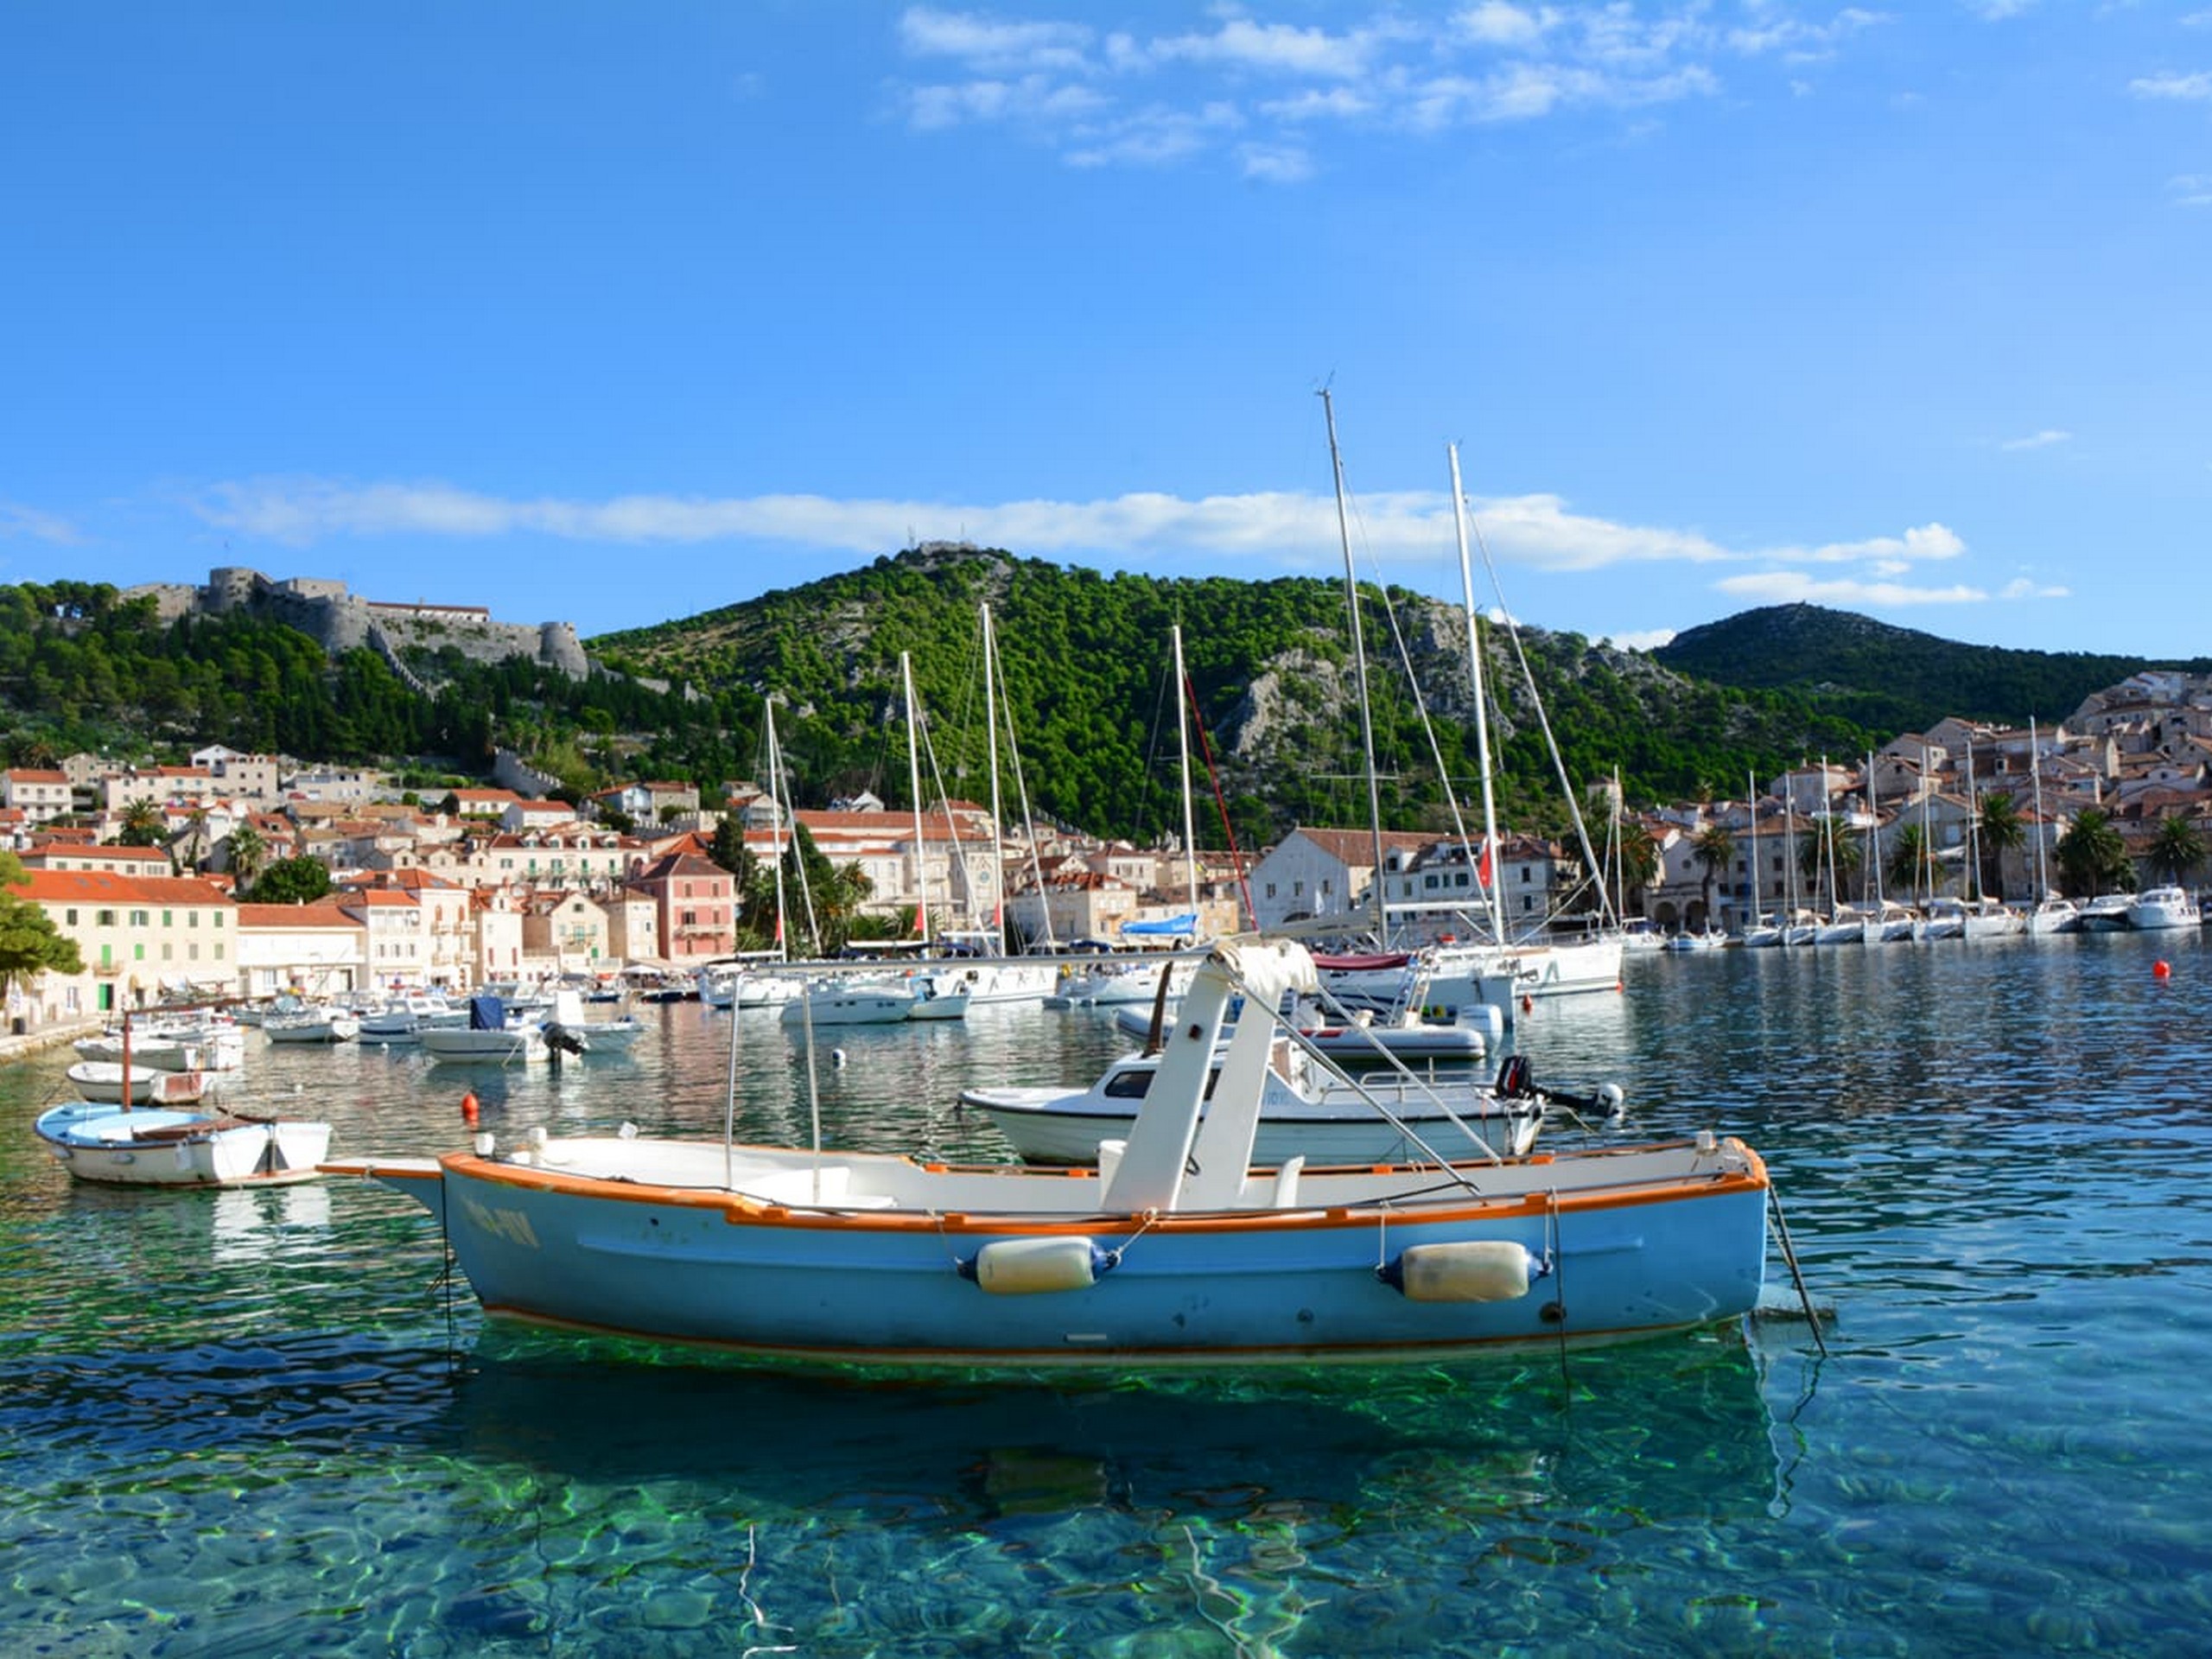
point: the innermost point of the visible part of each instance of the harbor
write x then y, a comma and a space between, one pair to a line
273, 1421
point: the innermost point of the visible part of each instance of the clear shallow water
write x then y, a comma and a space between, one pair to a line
260, 1423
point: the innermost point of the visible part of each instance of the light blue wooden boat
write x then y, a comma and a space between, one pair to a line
1174, 1251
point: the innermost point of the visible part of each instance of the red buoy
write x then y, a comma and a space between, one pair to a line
468, 1113
2162, 969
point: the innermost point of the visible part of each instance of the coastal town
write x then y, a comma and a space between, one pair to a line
509, 885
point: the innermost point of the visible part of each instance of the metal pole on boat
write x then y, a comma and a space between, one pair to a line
1790, 1255
1360, 658
1492, 899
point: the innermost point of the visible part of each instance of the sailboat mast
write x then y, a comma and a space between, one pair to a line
2034, 774
991, 729
914, 783
776, 810
1183, 742
1360, 658
1492, 901
1873, 834
1751, 801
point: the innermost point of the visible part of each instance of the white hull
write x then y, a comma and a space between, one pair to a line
2162, 909
521, 1045
151, 1054
102, 1082
989, 982
336, 1028
172, 1148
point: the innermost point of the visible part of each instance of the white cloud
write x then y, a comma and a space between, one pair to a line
1276, 164
1894, 553
1996, 11
29, 523
1406, 528
2022, 587
1495, 24
1111, 98
2190, 190
1646, 639
1278, 48
2194, 87
2043, 439
989, 44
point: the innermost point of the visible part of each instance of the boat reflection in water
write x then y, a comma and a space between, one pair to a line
1678, 1426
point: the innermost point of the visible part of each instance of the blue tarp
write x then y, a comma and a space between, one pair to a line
487, 1012
1186, 923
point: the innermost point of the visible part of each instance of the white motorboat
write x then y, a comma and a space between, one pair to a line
314, 1026
1304, 1112
1709, 938
462, 1046
160, 1053
2107, 913
2053, 914
491, 1037
855, 1003
2157, 909
1112, 983
103, 1082
161, 1148
406, 1016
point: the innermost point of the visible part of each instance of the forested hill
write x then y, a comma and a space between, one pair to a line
1893, 679
1084, 683
1084, 658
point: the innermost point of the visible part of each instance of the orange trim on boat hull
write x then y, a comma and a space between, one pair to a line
739, 1210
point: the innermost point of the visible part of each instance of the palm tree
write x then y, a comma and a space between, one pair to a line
2177, 849
2092, 858
1828, 851
1639, 856
248, 848
1715, 850
195, 836
142, 823
1998, 831
1911, 866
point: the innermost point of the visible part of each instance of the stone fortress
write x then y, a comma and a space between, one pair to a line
324, 610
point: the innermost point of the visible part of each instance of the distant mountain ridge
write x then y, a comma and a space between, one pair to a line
1894, 679
1082, 680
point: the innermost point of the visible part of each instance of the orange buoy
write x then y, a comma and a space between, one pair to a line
1527, 1003
468, 1112
2162, 969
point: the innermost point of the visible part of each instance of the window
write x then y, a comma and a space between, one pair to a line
138, 918
168, 951
103, 918
71, 914
168, 918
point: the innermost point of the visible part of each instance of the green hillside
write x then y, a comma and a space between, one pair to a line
1892, 679
1084, 682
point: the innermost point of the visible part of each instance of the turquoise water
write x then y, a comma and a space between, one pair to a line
263, 1423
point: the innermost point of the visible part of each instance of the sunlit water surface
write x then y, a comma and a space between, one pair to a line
264, 1422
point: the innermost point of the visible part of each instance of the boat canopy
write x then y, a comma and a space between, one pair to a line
1186, 923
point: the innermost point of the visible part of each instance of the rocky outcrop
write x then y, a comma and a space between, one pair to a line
340, 620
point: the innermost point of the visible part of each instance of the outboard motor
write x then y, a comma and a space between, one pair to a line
564, 1039
1514, 1082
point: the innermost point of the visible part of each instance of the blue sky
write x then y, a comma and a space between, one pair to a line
616, 314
